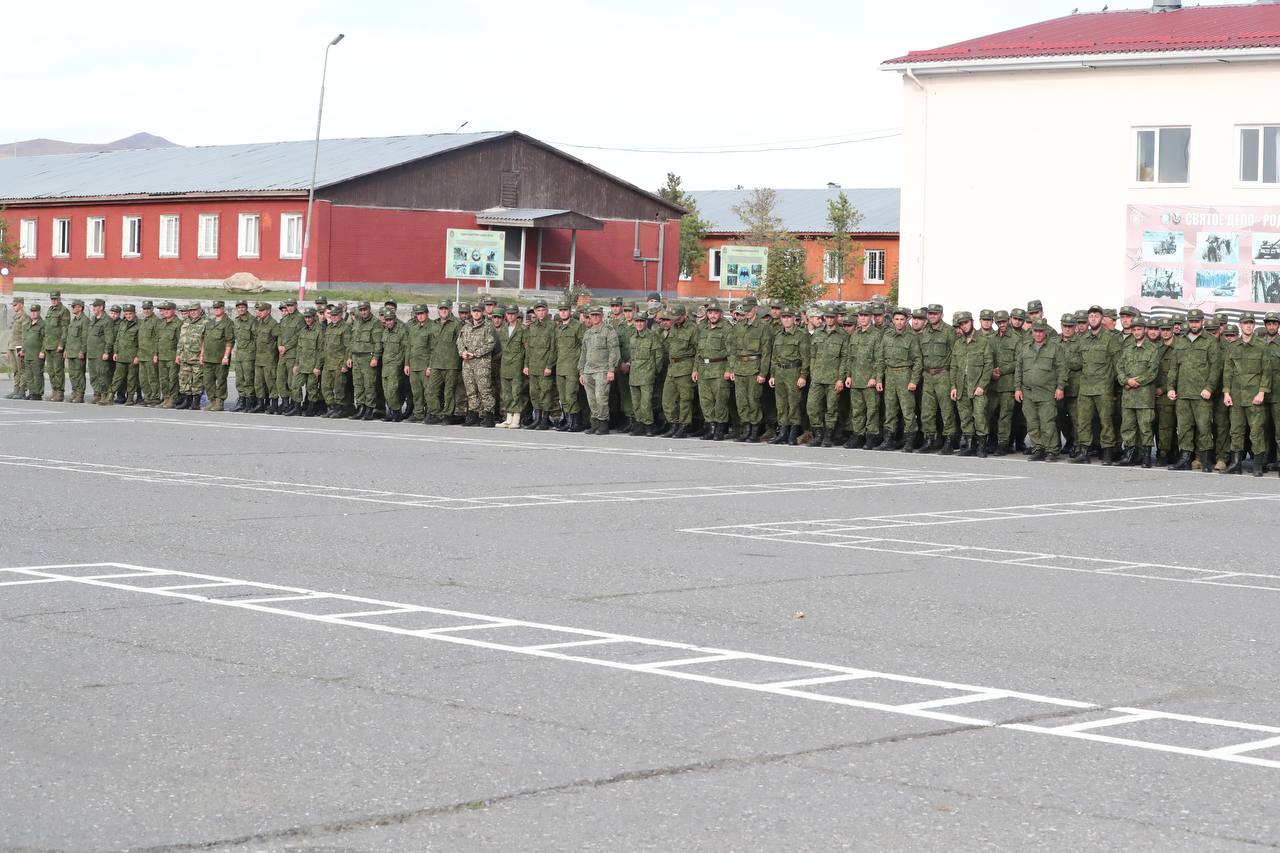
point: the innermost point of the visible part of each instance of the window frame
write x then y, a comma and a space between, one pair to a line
207, 224
163, 251
1261, 129
866, 265
60, 244
130, 244
1155, 181
241, 233
95, 237
827, 258
285, 253
714, 273
28, 238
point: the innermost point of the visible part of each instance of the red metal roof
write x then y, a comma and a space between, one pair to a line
1129, 31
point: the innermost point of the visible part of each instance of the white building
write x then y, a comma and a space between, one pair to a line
1125, 157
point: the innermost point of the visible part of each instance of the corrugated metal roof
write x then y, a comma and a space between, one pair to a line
804, 211
257, 167
1129, 31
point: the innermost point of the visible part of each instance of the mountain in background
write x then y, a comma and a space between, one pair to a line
36, 147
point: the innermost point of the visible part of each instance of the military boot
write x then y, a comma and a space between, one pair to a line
948, 445
818, 435
828, 438
980, 446
1037, 454
781, 436
886, 440
968, 446
1108, 456
873, 441
602, 426
1205, 458
720, 431
793, 435
184, 401
909, 440
215, 406
1235, 463
1079, 457
856, 441
1147, 453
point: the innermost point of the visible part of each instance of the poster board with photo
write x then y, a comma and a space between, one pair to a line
1203, 257
743, 267
470, 254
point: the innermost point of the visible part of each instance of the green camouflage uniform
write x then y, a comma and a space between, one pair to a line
56, 321
290, 328
513, 383
936, 344
647, 352
266, 355
190, 370
125, 356
337, 335
32, 344
17, 327
419, 334
903, 364
751, 347
598, 355
100, 341
444, 366
1197, 367
711, 361
167, 350
568, 337
219, 338
1041, 371
826, 368
305, 382
1140, 361
477, 338
539, 343
863, 367
395, 350
681, 344
788, 365
1166, 420
366, 345
1094, 354
971, 364
1004, 352
148, 369
243, 357
1246, 370
75, 348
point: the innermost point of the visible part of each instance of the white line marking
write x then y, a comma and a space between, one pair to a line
663, 664
385, 611
825, 679
495, 623
1248, 747
954, 700
601, 642
664, 668
193, 586
276, 598
35, 580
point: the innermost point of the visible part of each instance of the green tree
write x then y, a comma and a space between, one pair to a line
787, 279
763, 226
10, 255
842, 252
693, 228
892, 296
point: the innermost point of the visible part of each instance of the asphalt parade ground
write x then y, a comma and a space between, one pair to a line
226, 631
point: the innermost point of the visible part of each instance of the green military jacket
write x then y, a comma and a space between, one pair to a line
1004, 354
568, 337
366, 337
244, 335
712, 353
309, 347
935, 350
600, 350
1246, 370
826, 355
219, 337
102, 337
419, 335
864, 357
648, 352
1197, 366
395, 345
290, 328
33, 339
1140, 362
1167, 354
167, 339
511, 337
752, 345
190, 337
55, 327
682, 346
902, 353
266, 337
148, 328
444, 344
790, 354
337, 338
1273, 353
77, 336
1095, 355
539, 343
126, 346
477, 339
1041, 371
971, 364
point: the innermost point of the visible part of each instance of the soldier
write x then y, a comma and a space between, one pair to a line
363, 360
903, 365
290, 327
190, 366
475, 345
599, 355
512, 383
1137, 366
680, 343
711, 373
56, 320
1247, 378
442, 370
788, 375
1195, 376
215, 355
166, 355
125, 356
568, 334
309, 352
266, 356
826, 378
1272, 324
751, 345
334, 373
1035, 311
75, 347
1217, 327
17, 328
1166, 420
971, 367
419, 334
33, 354
646, 355
1040, 378
1094, 354
244, 324
1067, 407
986, 322
395, 351
101, 338
936, 342
148, 372
539, 365
864, 374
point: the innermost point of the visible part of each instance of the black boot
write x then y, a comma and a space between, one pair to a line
856, 441
1037, 455
670, 431
575, 422
1183, 462
744, 433
1147, 453
721, 431
651, 430
627, 424
1258, 468
1235, 463
980, 446
602, 427
886, 441
947, 447
184, 401
828, 439
781, 436
370, 413
1206, 462
873, 441
259, 405
591, 430
470, 420
793, 435
487, 420
563, 426
681, 431
909, 442
707, 432
968, 445
818, 435
930, 444
1080, 456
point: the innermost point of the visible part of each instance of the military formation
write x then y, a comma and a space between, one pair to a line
1192, 392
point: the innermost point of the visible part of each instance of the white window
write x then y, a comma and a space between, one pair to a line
713, 265
685, 275
830, 269
208, 236
169, 224
1163, 155
27, 239
131, 237
62, 238
95, 237
291, 236
248, 235
873, 267
1260, 155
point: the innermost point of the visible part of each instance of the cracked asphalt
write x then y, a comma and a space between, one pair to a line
129, 721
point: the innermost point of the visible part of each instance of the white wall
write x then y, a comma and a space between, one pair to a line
1016, 184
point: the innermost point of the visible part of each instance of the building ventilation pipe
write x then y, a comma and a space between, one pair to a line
1166, 5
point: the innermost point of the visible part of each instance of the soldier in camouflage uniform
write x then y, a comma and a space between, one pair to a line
33, 354
148, 373
289, 328
17, 327
395, 350
1247, 379
1196, 375
1166, 420
475, 346
419, 359
788, 376
1094, 354
56, 320
599, 355
1271, 322
243, 357
646, 354
442, 372
826, 378
190, 368
1004, 350
539, 365
97, 354
751, 347
902, 368
680, 340
305, 382
167, 354
266, 356
864, 377
1041, 378
337, 336
711, 373
1137, 366
513, 384
936, 342
125, 356
215, 355
568, 334
971, 364
75, 347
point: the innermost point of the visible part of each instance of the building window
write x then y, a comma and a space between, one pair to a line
27, 238
830, 269
1259, 154
1164, 155
169, 235
873, 267
62, 238
248, 235
95, 237
208, 236
684, 274
131, 237
713, 265
291, 236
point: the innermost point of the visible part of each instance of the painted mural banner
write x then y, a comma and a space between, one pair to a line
1211, 258
743, 267
474, 254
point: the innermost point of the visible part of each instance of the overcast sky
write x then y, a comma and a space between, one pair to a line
666, 74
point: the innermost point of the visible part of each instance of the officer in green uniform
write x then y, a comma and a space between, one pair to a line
1194, 378
680, 339
215, 355
125, 356
710, 371
190, 367
167, 335
568, 335
936, 342
244, 324
1137, 366
1067, 406
1271, 322
476, 344
17, 328
56, 320
788, 375
97, 354
646, 353
419, 334
903, 365
33, 354
75, 348
539, 365
971, 364
148, 366
395, 352
1166, 422
1247, 377
289, 328
266, 355
443, 368
513, 385
826, 378
864, 377
1040, 377
364, 358
1216, 327
309, 350
1004, 350
1094, 354
335, 373
751, 346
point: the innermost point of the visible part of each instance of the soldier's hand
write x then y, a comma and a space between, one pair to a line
155, 359
694, 376
525, 371
348, 362
373, 362
104, 357
979, 391
315, 372
427, 372
40, 355
880, 387
995, 374
59, 347
626, 368
1059, 394
1206, 394
1259, 398
801, 382
1132, 382
135, 360
911, 386
773, 383
955, 395
1159, 392
730, 376
1017, 396
1226, 398
80, 356
226, 361
759, 379
407, 372
546, 371
1173, 395
281, 349
582, 379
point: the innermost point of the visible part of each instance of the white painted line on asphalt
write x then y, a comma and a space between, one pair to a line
484, 626
28, 582
956, 700
691, 654
574, 644
384, 611
1254, 746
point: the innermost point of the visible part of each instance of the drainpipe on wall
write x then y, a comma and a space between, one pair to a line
924, 181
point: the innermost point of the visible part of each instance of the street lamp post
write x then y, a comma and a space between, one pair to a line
315, 162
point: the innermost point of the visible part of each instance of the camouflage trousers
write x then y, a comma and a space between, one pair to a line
1137, 427
35, 374
1195, 424
477, 378
190, 378
748, 393
418, 380
597, 386
1101, 406
148, 376
1222, 420
515, 393
542, 390
713, 395
284, 374
18, 369
305, 382
787, 396
336, 388
125, 380
642, 402
824, 405
864, 411
75, 372
677, 400
392, 374
56, 368
440, 387
167, 385
1249, 422
567, 386
973, 414
899, 403
1042, 424
1166, 424
244, 375
1002, 406
936, 397
215, 380
264, 380
100, 377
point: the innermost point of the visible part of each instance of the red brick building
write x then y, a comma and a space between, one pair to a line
804, 215
199, 215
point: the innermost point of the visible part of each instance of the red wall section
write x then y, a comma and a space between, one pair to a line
855, 290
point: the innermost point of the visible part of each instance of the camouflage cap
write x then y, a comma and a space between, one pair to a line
1034, 305
308, 313
564, 306
849, 320
1002, 316
217, 303
1212, 324
615, 302
146, 303
1271, 317
750, 302
262, 306
240, 302
464, 308
511, 308
445, 303
829, 311
388, 313
364, 306
713, 305
1109, 313
1040, 325
421, 309
1222, 316
652, 310
676, 311
1129, 311
292, 301
1139, 320
1178, 319
80, 302
280, 305
629, 306
335, 310
1068, 319
114, 307
320, 300
97, 303
35, 306
778, 304
541, 303
595, 310
986, 314
1017, 314
877, 309
1165, 324
170, 305
963, 317
1081, 317
490, 300
653, 297
898, 309
1195, 314
934, 308
864, 309
129, 308
1231, 330
18, 300
919, 314
55, 294
1248, 317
